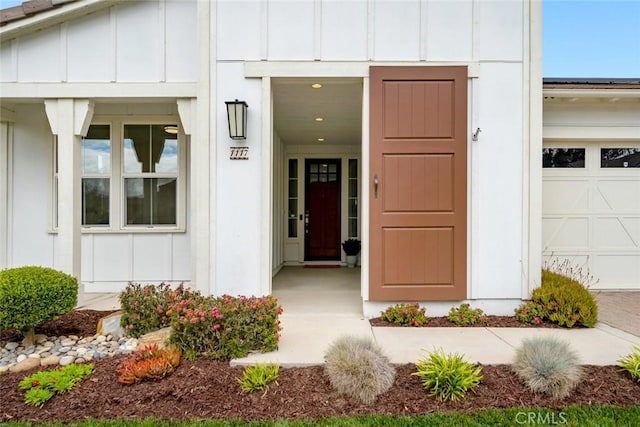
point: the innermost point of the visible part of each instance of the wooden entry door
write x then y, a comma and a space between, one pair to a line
322, 210
418, 175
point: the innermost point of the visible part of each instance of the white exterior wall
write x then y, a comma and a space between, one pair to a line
109, 260
156, 42
148, 41
491, 37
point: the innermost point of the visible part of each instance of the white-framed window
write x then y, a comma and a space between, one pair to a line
133, 174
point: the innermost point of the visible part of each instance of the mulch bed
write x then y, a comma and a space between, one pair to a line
205, 389
491, 322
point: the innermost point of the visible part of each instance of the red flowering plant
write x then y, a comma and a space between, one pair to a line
225, 327
410, 314
464, 315
144, 308
531, 312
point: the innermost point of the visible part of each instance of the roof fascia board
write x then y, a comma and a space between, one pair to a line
53, 17
24, 91
591, 93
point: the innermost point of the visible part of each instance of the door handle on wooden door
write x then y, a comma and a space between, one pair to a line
375, 186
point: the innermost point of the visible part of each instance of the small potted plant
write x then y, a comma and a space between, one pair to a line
351, 248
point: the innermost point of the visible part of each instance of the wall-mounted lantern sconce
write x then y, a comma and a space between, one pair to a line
237, 117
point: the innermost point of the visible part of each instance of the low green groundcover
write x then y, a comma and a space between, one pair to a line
573, 416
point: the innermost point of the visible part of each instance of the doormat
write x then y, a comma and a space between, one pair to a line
322, 266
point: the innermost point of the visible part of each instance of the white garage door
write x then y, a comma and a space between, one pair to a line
591, 209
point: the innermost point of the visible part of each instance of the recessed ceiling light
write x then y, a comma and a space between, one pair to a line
320, 139
172, 129
318, 119
316, 85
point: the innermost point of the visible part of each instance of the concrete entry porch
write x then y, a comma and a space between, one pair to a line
318, 291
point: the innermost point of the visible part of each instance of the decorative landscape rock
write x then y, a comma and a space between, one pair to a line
158, 337
25, 365
110, 324
63, 350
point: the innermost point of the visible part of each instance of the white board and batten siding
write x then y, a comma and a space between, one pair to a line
155, 42
109, 260
491, 36
149, 41
591, 213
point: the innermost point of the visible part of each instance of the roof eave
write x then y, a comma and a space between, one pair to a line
564, 92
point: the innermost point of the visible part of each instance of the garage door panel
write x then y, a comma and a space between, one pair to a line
616, 270
618, 232
620, 195
562, 196
591, 217
567, 233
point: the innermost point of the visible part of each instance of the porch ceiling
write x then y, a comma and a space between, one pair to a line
338, 102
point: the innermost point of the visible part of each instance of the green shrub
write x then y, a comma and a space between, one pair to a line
225, 327
547, 365
31, 296
631, 362
465, 315
357, 368
405, 314
258, 377
531, 312
447, 376
565, 300
144, 308
43, 385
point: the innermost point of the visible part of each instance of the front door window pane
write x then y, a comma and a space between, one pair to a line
150, 201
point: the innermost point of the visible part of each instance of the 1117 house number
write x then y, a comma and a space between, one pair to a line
239, 153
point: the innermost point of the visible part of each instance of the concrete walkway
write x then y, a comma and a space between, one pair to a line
305, 340
307, 335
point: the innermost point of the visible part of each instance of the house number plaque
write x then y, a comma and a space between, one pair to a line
239, 153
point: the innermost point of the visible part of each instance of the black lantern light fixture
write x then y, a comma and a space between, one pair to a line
237, 117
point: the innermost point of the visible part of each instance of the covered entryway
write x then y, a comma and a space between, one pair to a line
317, 146
591, 209
417, 183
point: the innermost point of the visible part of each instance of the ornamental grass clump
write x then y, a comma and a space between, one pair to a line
547, 365
356, 367
631, 363
31, 296
405, 314
258, 377
43, 385
565, 300
447, 376
464, 315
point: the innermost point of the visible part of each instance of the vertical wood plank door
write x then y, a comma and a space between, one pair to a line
418, 208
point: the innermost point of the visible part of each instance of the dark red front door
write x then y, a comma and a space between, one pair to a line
322, 209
